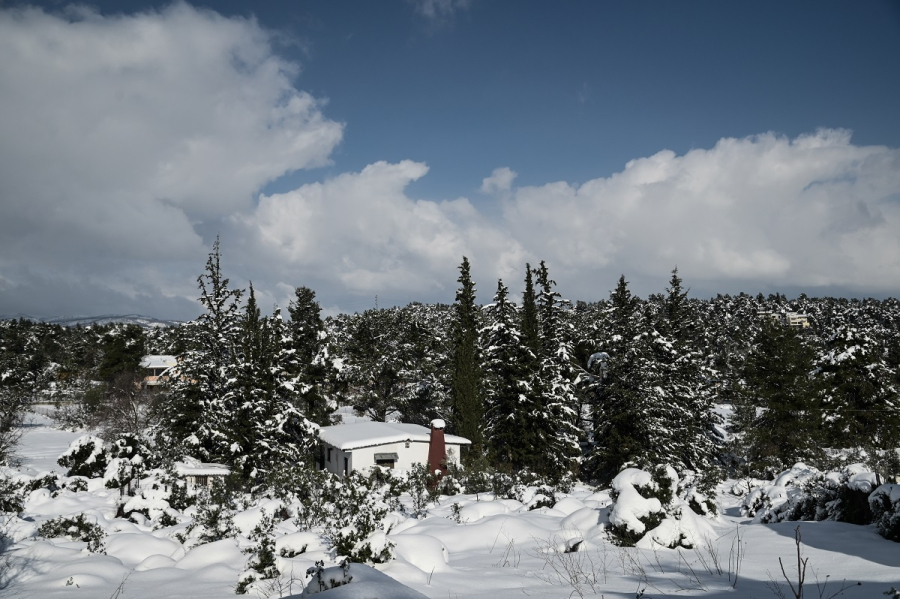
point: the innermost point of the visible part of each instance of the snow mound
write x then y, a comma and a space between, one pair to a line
224, 551
365, 583
298, 543
476, 511
422, 551
134, 548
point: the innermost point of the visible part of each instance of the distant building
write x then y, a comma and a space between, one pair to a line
200, 475
157, 369
349, 447
795, 319
791, 319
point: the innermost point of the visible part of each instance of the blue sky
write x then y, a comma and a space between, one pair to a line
560, 96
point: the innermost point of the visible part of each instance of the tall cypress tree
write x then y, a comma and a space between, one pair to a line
467, 403
861, 401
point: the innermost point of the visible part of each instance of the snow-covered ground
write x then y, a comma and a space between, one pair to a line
498, 550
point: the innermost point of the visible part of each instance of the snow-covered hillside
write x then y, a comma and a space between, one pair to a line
466, 546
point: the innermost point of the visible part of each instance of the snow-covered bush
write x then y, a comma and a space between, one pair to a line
885, 505
76, 484
50, 481
11, 499
262, 565
78, 528
350, 510
325, 579
698, 491
86, 456
804, 493
129, 457
637, 505
423, 488
646, 511
213, 519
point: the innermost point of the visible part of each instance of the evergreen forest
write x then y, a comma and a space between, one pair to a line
561, 390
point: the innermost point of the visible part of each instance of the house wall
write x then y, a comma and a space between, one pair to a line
364, 457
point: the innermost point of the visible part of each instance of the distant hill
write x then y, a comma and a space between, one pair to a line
147, 322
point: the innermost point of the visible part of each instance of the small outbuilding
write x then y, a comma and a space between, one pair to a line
200, 475
349, 447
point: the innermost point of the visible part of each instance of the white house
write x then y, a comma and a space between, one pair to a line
157, 369
200, 475
349, 447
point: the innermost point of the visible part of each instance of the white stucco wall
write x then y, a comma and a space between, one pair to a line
364, 457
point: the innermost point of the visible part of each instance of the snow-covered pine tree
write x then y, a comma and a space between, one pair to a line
628, 414
309, 365
861, 402
388, 369
193, 418
466, 401
507, 402
778, 409
691, 422
558, 403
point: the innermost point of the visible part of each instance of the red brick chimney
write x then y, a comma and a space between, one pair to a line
437, 449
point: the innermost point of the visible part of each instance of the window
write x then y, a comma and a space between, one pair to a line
386, 460
329, 455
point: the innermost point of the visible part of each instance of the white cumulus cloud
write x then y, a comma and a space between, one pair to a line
120, 135
761, 211
499, 182
361, 232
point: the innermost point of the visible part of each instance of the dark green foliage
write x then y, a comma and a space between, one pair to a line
627, 421
661, 488
48, 481
179, 498
395, 362
77, 528
466, 400
778, 412
122, 348
12, 500
556, 418
861, 399
886, 513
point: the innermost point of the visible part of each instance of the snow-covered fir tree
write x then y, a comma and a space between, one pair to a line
629, 405
507, 400
778, 409
309, 365
195, 417
558, 403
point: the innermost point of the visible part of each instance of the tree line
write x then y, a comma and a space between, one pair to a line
559, 389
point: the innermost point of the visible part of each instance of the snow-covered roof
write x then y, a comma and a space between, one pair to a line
158, 361
369, 434
193, 467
